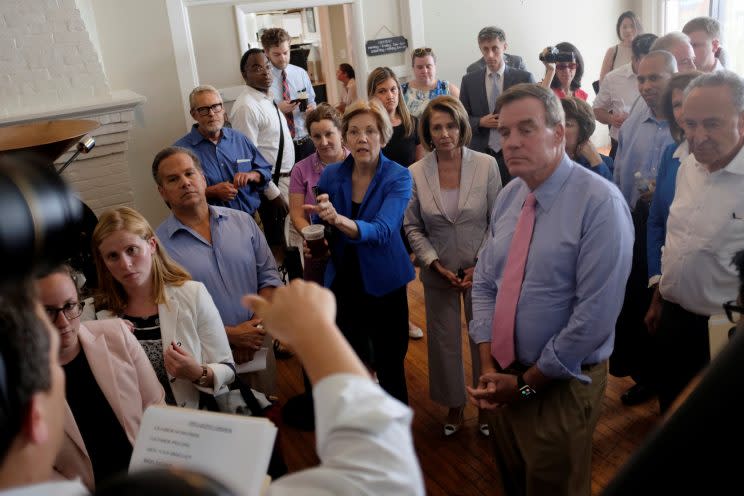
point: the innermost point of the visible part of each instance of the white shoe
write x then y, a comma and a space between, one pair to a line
415, 332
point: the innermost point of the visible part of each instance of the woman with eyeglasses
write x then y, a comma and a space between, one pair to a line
363, 200
110, 383
172, 316
425, 86
564, 78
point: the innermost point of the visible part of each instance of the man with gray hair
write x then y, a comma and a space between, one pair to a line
234, 168
480, 89
704, 229
545, 301
678, 44
705, 38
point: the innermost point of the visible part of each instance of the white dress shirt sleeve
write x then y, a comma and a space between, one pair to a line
364, 443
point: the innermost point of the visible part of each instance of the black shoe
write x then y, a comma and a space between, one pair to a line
638, 394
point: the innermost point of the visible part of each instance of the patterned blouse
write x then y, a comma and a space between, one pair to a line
417, 100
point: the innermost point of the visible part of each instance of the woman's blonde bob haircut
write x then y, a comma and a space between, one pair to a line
376, 110
451, 106
165, 271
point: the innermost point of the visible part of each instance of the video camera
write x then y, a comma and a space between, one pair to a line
553, 55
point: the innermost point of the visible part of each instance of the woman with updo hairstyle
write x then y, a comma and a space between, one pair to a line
172, 316
362, 200
447, 223
580, 126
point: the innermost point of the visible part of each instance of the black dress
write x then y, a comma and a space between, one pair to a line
401, 148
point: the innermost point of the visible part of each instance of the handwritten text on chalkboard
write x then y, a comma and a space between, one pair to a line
386, 45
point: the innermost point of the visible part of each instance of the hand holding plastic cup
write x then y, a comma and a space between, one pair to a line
314, 235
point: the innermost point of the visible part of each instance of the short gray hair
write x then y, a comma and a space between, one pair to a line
670, 63
202, 88
491, 33
554, 113
669, 41
721, 78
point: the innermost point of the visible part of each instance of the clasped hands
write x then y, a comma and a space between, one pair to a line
227, 191
455, 282
494, 390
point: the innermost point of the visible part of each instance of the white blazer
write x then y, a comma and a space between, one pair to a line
190, 318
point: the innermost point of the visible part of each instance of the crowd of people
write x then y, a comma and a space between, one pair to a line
567, 264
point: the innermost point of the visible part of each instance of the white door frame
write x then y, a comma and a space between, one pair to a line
183, 47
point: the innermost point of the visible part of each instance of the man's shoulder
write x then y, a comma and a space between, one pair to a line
473, 77
619, 74
517, 75
597, 189
166, 228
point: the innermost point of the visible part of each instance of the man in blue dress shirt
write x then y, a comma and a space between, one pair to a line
234, 168
222, 248
543, 407
642, 140
290, 84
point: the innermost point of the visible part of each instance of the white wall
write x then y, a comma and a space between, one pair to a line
216, 45
138, 55
530, 26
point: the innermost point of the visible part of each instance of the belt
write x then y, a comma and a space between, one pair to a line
285, 174
518, 368
301, 141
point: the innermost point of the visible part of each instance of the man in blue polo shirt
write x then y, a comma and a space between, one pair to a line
234, 168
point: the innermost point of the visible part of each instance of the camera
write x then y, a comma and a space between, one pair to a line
41, 219
553, 55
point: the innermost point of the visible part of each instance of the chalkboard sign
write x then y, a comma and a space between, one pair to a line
386, 45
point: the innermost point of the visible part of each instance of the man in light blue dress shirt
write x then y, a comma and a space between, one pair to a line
645, 133
577, 265
275, 42
222, 248
641, 143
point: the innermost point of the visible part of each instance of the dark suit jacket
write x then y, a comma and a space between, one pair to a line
474, 99
514, 61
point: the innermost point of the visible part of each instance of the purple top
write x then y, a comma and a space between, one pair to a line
306, 174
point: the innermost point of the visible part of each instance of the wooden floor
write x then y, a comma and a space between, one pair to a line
461, 464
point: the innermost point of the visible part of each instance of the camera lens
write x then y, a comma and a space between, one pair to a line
40, 218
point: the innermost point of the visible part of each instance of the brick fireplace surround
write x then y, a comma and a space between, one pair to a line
50, 70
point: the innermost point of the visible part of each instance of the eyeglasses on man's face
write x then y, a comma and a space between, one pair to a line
70, 311
204, 111
733, 311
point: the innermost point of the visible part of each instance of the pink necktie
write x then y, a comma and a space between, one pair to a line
504, 315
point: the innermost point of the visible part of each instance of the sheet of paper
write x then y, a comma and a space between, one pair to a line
258, 362
232, 448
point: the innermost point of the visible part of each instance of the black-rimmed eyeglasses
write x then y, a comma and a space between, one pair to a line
70, 311
204, 111
733, 311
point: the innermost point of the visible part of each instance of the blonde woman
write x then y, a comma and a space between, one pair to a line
172, 316
363, 201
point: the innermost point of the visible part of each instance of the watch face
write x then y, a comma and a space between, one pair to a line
526, 392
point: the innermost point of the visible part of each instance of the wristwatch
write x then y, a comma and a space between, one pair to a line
202, 380
525, 391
